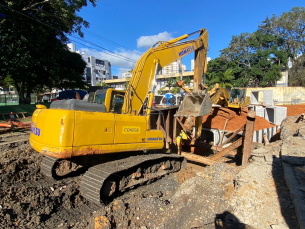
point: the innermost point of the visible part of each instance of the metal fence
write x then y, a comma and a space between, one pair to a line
14, 99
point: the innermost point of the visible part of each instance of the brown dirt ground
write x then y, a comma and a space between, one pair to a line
293, 110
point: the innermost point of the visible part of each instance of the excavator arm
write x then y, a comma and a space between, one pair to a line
152, 61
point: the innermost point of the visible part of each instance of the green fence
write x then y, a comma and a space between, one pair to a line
28, 108
14, 99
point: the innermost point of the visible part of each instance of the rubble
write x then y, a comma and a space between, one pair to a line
219, 196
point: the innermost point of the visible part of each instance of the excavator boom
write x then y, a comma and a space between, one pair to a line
157, 57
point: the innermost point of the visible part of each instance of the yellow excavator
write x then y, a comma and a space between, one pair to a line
76, 135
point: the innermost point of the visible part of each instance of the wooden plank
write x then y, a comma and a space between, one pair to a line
23, 114
175, 130
167, 127
17, 115
301, 169
159, 122
233, 135
197, 158
248, 137
228, 149
206, 145
223, 131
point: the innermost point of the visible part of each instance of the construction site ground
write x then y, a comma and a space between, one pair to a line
220, 196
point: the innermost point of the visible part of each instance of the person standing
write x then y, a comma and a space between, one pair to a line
153, 103
164, 101
171, 100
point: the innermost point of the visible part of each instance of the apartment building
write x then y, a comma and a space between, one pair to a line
193, 63
97, 70
126, 74
173, 68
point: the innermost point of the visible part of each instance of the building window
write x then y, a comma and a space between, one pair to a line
88, 59
104, 72
99, 62
109, 64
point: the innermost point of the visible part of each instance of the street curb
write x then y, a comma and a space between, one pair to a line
298, 198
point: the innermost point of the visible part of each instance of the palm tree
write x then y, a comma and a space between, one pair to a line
187, 81
223, 78
170, 84
126, 85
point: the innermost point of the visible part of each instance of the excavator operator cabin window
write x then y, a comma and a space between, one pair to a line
117, 100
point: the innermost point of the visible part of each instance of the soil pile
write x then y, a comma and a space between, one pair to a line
293, 110
212, 121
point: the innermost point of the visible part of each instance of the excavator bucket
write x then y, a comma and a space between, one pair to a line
195, 105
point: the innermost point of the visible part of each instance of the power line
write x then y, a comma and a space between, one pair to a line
98, 50
109, 41
108, 24
114, 54
117, 55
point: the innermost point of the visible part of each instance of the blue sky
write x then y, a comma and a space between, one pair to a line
136, 25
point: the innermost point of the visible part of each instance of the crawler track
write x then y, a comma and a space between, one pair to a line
46, 166
105, 181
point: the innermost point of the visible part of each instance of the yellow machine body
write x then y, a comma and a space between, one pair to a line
238, 98
65, 133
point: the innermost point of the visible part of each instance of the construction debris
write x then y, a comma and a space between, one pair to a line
222, 194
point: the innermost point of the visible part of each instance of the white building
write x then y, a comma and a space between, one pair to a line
192, 63
126, 74
173, 68
97, 69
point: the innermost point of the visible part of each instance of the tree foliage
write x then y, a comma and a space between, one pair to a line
33, 48
290, 26
223, 78
257, 59
297, 72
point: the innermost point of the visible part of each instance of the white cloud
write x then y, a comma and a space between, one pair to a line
148, 41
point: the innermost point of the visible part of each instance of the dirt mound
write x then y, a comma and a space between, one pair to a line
290, 127
223, 112
293, 110
211, 121
28, 199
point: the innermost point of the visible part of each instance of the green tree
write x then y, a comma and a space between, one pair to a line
290, 26
175, 90
98, 84
187, 81
105, 84
126, 84
256, 58
297, 72
215, 67
169, 84
223, 78
33, 44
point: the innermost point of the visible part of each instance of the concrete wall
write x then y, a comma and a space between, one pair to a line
282, 95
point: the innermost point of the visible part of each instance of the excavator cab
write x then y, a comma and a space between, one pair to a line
238, 98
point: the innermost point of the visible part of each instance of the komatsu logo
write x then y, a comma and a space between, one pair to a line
35, 130
131, 129
186, 50
154, 139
